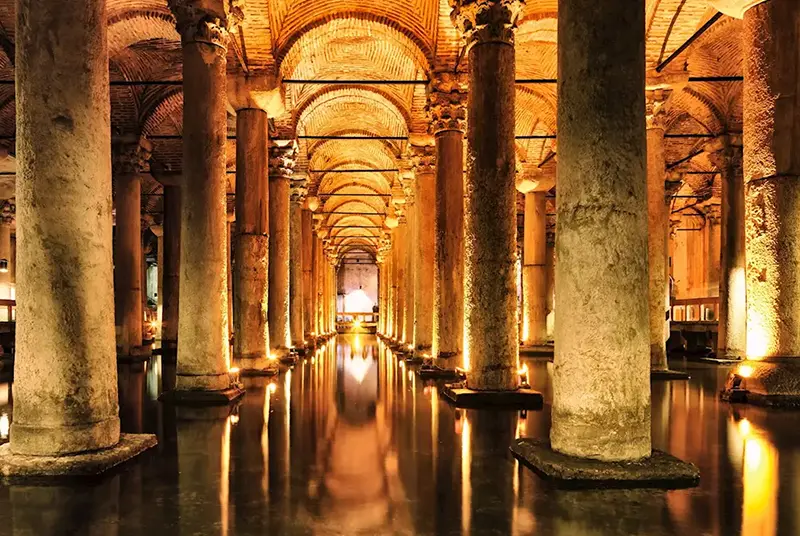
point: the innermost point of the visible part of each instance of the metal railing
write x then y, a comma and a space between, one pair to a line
695, 309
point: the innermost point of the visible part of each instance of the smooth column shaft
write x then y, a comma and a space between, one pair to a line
658, 232
65, 374
448, 293
279, 336
490, 221
424, 261
307, 260
296, 274
601, 384
203, 352
172, 256
251, 339
534, 273
128, 263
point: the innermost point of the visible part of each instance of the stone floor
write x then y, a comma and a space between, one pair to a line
343, 445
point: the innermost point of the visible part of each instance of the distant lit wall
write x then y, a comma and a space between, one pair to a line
353, 277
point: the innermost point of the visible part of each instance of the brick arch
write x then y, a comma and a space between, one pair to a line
165, 109
131, 27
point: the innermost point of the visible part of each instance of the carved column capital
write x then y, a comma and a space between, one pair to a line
208, 22
282, 155
656, 112
447, 102
423, 159
8, 212
299, 188
486, 21
130, 157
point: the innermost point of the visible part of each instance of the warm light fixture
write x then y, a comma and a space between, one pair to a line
745, 371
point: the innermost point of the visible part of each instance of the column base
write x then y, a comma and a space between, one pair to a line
138, 354
537, 350
462, 397
256, 372
773, 383
668, 374
198, 397
660, 470
87, 464
434, 372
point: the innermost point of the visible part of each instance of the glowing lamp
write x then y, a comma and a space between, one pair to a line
313, 203
745, 371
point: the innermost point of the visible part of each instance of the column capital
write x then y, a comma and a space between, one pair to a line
447, 102
725, 150
656, 111
8, 212
735, 8
486, 21
260, 91
206, 21
282, 159
713, 213
422, 159
299, 188
130, 156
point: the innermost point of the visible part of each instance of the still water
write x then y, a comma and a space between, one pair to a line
352, 442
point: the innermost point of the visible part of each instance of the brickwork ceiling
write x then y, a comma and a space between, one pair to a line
381, 40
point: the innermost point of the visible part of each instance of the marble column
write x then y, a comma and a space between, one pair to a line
203, 352
771, 178
65, 374
409, 286
158, 230
490, 213
534, 275
447, 106
251, 244
381, 295
5, 254
281, 168
307, 234
299, 191
400, 279
315, 254
732, 331
601, 384
658, 229
128, 159
172, 256
424, 161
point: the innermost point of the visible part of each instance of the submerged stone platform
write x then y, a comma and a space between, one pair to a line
463, 397
772, 383
265, 372
437, 373
669, 375
203, 398
93, 463
661, 470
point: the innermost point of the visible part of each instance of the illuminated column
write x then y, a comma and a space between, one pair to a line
318, 255
534, 280
203, 352
658, 229
771, 172
447, 106
490, 212
602, 274
424, 160
409, 288
389, 282
298, 197
129, 160
172, 257
251, 242
158, 230
281, 169
65, 373
401, 278
307, 238
6, 221
732, 331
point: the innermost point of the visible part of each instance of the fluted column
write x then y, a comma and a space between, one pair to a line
601, 384
298, 197
534, 276
281, 168
251, 243
203, 352
490, 214
424, 162
129, 160
658, 229
307, 238
732, 332
447, 106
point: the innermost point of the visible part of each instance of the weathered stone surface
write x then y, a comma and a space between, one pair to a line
92, 463
534, 280
658, 470
766, 383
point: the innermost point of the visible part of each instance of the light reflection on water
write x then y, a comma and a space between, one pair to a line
352, 442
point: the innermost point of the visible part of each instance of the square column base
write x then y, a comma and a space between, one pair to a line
462, 397
14, 466
251, 373
428, 372
773, 383
538, 350
203, 398
666, 375
140, 354
660, 470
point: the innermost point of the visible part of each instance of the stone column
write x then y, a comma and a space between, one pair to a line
658, 229
408, 286
281, 168
314, 289
601, 385
771, 173
424, 161
158, 230
229, 259
129, 160
490, 213
5, 255
307, 238
400, 279
446, 104
732, 331
203, 353
65, 374
296, 297
534, 275
172, 256
251, 244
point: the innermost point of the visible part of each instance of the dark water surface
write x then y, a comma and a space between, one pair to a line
351, 442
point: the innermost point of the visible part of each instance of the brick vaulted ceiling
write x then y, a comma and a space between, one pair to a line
380, 40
